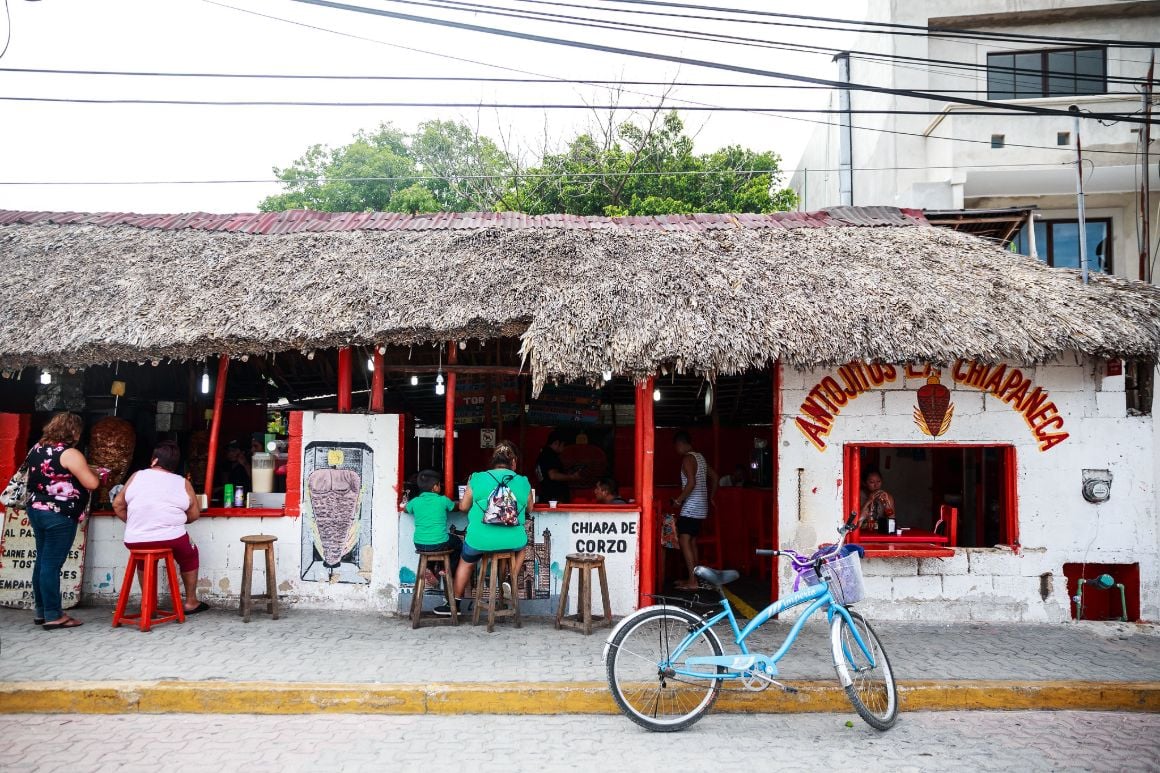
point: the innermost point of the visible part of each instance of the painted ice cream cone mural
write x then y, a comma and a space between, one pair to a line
934, 411
334, 499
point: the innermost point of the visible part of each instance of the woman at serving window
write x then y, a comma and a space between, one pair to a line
876, 502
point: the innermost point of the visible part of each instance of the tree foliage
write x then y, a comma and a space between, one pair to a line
630, 168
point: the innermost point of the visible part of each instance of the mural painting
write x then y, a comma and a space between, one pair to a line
336, 515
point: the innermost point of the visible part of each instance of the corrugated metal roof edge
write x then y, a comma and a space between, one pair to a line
300, 220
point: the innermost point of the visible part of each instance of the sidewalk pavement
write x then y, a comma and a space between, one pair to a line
346, 661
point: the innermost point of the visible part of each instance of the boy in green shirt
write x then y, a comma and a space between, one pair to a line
430, 509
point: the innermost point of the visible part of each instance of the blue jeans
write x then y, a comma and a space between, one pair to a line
54, 538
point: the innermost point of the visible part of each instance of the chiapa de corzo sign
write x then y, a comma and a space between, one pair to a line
1010, 385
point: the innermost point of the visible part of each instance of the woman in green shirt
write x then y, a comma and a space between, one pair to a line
488, 538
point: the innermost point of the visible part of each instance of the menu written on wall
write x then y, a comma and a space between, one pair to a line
18, 555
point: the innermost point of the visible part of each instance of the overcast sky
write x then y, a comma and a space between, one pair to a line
42, 142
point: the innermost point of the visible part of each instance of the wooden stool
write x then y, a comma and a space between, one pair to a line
258, 542
492, 562
147, 560
584, 563
436, 556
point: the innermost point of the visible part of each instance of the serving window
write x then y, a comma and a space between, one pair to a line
944, 495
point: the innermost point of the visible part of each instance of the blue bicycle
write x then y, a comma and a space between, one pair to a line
666, 665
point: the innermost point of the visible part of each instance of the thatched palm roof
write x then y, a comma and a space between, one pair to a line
705, 294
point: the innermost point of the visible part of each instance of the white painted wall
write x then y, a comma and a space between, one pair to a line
1056, 525
915, 169
222, 553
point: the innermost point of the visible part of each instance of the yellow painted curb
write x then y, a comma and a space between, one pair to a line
175, 697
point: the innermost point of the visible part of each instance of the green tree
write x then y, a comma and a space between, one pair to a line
631, 168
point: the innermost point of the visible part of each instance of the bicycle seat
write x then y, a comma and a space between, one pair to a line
717, 577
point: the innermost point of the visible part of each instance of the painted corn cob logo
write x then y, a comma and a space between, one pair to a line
934, 411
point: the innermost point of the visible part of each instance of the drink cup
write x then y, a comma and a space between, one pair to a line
552, 503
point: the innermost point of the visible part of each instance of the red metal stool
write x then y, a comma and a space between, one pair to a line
147, 561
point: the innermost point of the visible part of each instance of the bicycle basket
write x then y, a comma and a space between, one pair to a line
845, 578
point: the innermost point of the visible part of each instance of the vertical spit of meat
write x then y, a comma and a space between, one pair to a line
334, 499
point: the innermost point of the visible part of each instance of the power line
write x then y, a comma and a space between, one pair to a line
515, 106
683, 60
432, 78
521, 175
590, 22
986, 36
508, 68
902, 29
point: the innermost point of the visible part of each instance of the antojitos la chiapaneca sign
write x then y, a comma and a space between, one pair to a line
934, 409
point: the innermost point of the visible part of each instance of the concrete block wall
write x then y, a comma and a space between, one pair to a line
1055, 524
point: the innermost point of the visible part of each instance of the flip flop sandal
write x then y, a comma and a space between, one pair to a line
202, 607
70, 623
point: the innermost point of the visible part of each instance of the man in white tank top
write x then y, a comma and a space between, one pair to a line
698, 487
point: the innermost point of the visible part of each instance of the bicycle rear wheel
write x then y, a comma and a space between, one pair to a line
869, 682
641, 671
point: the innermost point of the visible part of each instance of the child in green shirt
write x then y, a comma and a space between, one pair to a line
430, 509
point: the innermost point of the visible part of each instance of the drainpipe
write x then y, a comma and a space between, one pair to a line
845, 135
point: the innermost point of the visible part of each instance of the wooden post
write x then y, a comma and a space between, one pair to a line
344, 379
219, 398
646, 458
378, 383
449, 427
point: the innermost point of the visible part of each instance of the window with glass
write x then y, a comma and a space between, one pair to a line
1057, 243
1055, 73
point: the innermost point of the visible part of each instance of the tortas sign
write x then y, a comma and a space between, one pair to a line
933, 411
18, 556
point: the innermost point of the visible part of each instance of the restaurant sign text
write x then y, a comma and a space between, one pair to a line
1010, 385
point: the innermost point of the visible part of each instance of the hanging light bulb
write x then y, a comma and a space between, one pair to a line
310, 355
440, 389
205, 381
439, 379
462, 345
656, 395
45, 377
414, 381
607, 375
370, 363
283, 401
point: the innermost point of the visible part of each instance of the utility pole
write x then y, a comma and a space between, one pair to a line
1145, 184
1083, 261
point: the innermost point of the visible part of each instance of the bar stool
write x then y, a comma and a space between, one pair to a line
584, 563
258, 542
146, 560
492, 562
433, 557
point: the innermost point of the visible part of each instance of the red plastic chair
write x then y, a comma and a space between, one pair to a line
948, 520
147, 561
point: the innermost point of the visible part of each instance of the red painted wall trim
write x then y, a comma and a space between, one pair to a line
646, 458
294, 466
344, 380
378, 382
219, 399
449, 425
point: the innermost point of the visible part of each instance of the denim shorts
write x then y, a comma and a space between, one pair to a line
470, 555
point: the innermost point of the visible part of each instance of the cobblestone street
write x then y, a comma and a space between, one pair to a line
312, 645
949, 741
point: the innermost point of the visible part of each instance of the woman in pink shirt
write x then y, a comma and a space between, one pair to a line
155, 505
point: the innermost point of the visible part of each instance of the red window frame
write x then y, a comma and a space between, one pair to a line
852, 479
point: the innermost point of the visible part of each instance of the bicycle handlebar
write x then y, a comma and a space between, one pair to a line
843, 530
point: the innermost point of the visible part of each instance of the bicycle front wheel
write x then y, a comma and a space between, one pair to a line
869, 681
643, 674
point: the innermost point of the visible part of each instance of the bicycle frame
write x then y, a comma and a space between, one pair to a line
819, 595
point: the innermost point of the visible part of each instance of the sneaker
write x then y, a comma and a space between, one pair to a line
444, 610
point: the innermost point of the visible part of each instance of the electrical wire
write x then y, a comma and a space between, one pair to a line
508, 68
7, 30
903, 29
516, 106
683, 60
522, 176
433, 79
986, 37
590, 22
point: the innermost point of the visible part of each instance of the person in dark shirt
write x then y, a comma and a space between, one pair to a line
607, 492
552, 479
